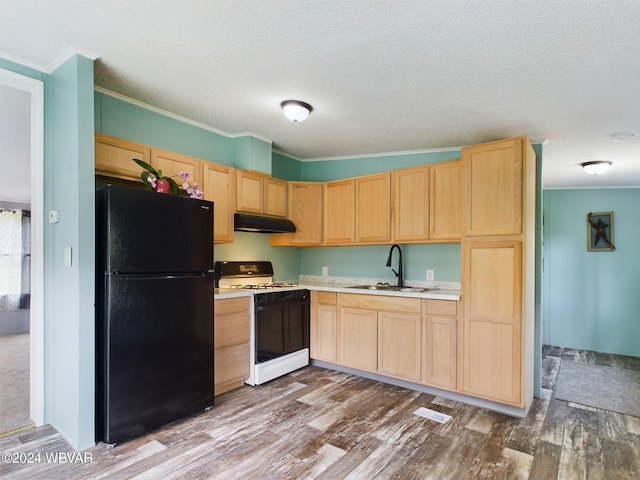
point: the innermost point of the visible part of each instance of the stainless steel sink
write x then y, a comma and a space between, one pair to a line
392, 288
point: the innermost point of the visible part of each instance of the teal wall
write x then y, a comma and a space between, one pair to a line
326, 170
118, 118
255, 246
250, 153
285, 167
69, 290
591, 299
21, 69
370, 261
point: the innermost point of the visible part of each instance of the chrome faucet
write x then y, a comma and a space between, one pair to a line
399, 272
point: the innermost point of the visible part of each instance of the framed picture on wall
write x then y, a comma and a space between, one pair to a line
600, 232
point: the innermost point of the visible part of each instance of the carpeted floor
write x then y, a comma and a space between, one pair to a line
608, 388
14, 382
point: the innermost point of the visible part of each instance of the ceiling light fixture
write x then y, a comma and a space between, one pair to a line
295, 110
596, 167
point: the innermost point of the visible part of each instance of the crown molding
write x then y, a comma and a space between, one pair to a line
174, 116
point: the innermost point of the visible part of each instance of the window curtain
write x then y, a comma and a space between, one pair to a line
15, 259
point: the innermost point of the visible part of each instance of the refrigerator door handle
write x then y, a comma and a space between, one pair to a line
156, 276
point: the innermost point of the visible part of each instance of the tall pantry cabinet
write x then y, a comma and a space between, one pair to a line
498, 251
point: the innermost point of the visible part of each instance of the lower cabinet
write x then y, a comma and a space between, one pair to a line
358, 338
399, 345
440, 344
324, 324
232, 328
493, 320
402, 337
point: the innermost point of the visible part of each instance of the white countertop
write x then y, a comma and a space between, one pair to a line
222, 293
439, 294
332, 286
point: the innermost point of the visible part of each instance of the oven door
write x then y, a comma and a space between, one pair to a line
282, 323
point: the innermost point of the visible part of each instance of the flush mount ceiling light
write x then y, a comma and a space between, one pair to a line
596, 167
295, 110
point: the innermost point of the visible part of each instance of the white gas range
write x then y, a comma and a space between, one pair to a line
280, 321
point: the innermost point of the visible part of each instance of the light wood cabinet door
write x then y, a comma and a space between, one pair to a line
399, 342
324, 346
249, 192
494, 187
305, 211
339, 212
231, 332
275, 197
218, 184
114, 157
492, 282
446, 195
358, 339
231, 367
411, 204
172, 163
373, 208
440, 340
324, 326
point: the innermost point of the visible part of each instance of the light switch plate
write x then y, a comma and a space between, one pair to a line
430, 275
53, 216
67, 256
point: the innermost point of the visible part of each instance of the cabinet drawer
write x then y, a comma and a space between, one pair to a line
327, 298
231, 363
376, 302
232, 305
448, 308
231, 329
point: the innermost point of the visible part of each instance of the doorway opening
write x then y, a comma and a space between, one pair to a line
21, 303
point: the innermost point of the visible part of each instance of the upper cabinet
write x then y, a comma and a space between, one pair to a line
114, 157
373, 208
260, 194
305, 211
218, 185
275, 197
411, 204
446, 194
172, 164
339, 212
494, 185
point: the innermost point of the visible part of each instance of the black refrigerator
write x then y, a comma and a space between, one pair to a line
154, 310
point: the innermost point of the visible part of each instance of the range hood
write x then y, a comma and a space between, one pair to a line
245, 222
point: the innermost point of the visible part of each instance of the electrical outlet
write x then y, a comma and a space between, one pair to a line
325, 271
430, 274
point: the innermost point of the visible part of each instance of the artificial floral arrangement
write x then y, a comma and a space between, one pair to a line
154, 180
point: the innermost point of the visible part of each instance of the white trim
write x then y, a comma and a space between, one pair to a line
382, 154
392, 154
179, 118
285, 154
67, 54
59, 60
36, 349
590, 187
21, 62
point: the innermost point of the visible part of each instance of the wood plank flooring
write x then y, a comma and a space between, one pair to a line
317, 423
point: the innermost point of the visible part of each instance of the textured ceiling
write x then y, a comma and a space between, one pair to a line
382, 76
